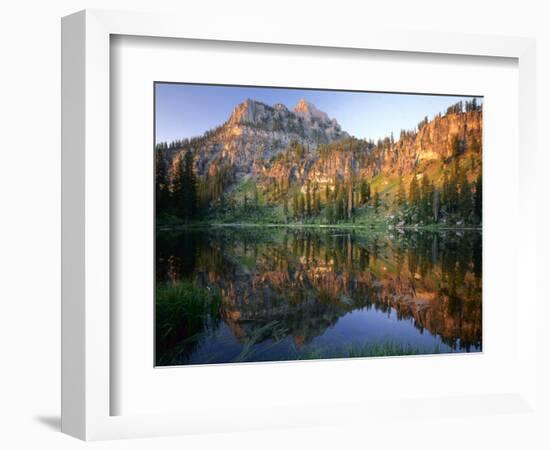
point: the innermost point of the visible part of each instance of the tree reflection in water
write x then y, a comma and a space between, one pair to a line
288, 293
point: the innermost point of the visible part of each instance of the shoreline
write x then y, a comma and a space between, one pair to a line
431, 228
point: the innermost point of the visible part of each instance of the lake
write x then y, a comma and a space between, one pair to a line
288, 293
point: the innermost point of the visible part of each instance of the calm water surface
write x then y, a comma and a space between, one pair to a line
290, 293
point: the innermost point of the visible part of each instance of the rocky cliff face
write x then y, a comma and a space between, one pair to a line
278, 146
432, 142
255, 133
411, 153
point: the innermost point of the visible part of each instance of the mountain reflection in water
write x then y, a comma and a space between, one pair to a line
295, 293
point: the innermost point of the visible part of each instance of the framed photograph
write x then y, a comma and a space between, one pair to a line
287, 210
283, 234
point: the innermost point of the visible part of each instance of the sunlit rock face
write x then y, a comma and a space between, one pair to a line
255, 133
433, 141
411, 152
257, 139
317, 119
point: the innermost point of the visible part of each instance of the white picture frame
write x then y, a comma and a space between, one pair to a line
86, 221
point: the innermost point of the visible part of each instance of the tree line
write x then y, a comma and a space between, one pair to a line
176, 194
457, 200
464, 106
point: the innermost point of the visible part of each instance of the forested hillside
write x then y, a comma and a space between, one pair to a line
267, 164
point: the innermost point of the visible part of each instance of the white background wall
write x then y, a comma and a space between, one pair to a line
30, 199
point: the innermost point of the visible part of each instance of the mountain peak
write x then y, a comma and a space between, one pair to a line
280, 107
309, 111
305, 122
303, 105
247, 111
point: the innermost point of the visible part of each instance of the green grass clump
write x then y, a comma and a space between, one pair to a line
181, 306
370, 350
388, 348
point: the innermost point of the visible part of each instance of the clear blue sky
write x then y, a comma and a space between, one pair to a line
187, 110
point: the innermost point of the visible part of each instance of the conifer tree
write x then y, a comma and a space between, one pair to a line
455, 146
368, 192
474, 145
376, 200
364, 192
329, 213
190, 188
435, 204
349, 207
162, 189
340, 206
445, 188
425, 198
301, 205
465, 198
400, 196
327, 194
413, 191
478, 198
177, 186
255, 195
184, 188
308, 201
295, 204
316, 201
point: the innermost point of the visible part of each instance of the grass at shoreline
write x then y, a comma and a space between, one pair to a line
365, 350
371, 350
181, 303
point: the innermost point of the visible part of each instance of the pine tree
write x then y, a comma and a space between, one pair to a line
376, 200
178, 187
296, 204
478, 199
349, 208
425, 198
413, 191
465, 198
255, 195
184, 188
474, 145
340, 206
435, 204
336, 191
400, 196
301, 205
364, 192
329, 213
445, 190
308, 201
190, 187
368, 192
316, 201
451, 202
455, 146
162, 189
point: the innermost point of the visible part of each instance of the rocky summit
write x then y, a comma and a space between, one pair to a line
255, 133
